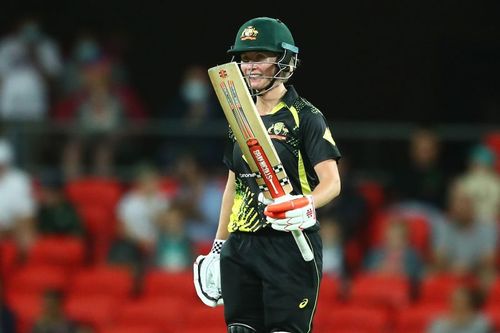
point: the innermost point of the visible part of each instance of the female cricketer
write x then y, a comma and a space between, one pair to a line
255, 267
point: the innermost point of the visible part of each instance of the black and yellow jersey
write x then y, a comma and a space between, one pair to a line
302, 139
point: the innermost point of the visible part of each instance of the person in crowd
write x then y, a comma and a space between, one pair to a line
173, 248
199, 196
463, 245
29, 63
333, 254
17, 204
98, 115
464, 314
423, 180
52, 318
140, 209
56, 214
395, 256
482, 184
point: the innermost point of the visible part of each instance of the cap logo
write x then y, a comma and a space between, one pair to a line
250, 33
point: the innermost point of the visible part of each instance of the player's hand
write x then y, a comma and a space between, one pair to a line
206, 271
297, 212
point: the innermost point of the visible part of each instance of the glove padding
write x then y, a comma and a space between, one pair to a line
207, 280
292, 212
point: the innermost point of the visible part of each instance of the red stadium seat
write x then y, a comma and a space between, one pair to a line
330, 289
27, 308
493, 296
160, 312
201, 316
36, 280
94, 191
492, 140
103, 280
96, 310
8, 258
493, 314
438, 288
389, 292
131, 329
100, 224
170, 285
417, 318
65, 251
358, 318
374, 194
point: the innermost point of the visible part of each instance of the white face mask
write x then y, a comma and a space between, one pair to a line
194, 91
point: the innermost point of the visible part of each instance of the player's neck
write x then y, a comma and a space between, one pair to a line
265, 103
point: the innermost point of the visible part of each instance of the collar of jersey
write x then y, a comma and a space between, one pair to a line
287, 100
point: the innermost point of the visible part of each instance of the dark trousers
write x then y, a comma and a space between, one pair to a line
266, 284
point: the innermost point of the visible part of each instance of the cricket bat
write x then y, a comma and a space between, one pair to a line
253, 139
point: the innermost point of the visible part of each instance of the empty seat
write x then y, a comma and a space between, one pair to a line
391, 292
65, 251
103, 280
438, 288
36, 280
358, 318
159, 312
201, 316
94, 191
170, 284
131, 329
96, 310
417, 318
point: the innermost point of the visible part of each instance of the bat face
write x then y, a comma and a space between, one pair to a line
249, 129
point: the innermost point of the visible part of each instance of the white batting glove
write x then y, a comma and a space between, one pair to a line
206, 271
296, 213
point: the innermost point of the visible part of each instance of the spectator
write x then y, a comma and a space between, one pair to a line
464, 315
139, 210
333, 255
195, 102
173, 249
463, 245
482, 184
350, 209
395, 256
98, 114
196, 108
52, 318
85, 49
17, 205
200, 197
7, 318
29, 62
424, 179
56, 214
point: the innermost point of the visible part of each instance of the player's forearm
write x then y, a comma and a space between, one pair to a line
329, 183
226, 206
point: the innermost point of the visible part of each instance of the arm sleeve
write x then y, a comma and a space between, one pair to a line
317, 139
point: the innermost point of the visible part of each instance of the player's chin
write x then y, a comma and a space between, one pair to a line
258, 84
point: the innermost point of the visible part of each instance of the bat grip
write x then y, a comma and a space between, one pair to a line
303, 245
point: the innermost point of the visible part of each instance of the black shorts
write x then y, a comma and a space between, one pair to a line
266, 283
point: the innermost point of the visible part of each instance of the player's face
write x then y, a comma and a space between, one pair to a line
258, 68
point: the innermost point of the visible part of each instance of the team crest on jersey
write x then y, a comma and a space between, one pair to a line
278, 131
250, 33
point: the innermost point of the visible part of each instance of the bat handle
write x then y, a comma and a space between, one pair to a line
303, 245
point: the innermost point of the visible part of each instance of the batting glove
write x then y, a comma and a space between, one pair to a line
207, 280
297, 212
